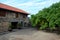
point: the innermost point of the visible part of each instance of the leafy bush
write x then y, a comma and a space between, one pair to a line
19, 25
47, 18
10, 28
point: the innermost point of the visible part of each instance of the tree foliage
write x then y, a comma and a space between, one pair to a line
47, 18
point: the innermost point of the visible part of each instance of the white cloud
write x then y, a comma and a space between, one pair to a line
26, 4
35, 3
34, 6
31, 6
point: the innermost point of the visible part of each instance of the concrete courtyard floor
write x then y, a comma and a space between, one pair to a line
30, 34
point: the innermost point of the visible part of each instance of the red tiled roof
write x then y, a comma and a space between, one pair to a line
3, 6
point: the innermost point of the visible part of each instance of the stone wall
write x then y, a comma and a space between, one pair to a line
10, 17
4, 26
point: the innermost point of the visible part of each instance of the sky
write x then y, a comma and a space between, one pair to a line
30, 6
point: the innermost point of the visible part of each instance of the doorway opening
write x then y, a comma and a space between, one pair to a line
14, 25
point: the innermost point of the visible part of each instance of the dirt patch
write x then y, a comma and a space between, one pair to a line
30, 34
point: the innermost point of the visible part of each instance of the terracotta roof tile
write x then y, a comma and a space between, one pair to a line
3, 6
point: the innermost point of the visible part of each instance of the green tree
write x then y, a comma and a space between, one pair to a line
47, 18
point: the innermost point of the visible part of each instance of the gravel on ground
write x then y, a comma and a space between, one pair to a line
30, 34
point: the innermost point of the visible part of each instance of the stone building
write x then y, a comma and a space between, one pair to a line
12, 16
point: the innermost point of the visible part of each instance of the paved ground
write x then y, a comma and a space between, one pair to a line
30, 34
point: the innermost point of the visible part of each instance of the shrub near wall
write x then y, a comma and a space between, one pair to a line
19, 25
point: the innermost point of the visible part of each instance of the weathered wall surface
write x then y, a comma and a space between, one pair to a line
4, 26
11, 17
